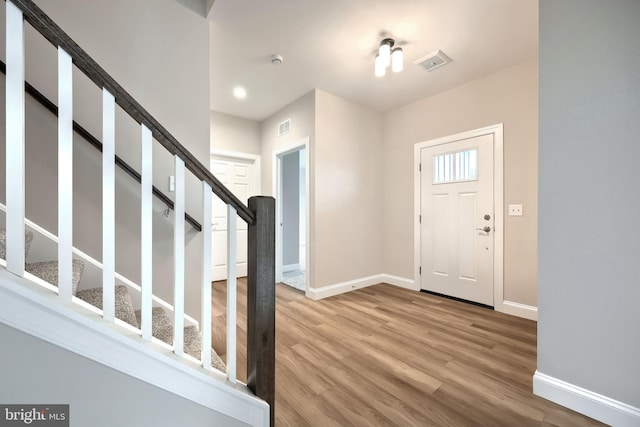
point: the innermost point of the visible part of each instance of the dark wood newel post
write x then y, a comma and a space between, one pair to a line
261, 301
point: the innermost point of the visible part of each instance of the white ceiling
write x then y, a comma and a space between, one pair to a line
330, 45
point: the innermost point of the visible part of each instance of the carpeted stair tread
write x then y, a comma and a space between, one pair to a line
162, 329
124, 308
28, 238
192, 341
216, 361
161, 324
48, 271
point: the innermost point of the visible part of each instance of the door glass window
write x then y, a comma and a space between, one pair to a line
456, 166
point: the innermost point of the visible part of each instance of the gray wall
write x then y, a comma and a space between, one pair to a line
161, 58
589, 201
291, 208
98, 396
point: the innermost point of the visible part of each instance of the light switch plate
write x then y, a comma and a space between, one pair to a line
172, 183
515, 210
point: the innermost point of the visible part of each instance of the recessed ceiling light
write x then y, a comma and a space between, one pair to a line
239, 92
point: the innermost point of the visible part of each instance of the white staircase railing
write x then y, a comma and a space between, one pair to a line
15, 131
259, 213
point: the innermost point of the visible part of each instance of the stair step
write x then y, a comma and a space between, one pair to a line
124, 308
48, 271
162, 329
28, 238
161, 324
192, 341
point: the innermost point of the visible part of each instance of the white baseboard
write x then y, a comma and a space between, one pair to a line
516, 309
39, 312
352, 285
340, 288
508, 307
400, 282
594, 405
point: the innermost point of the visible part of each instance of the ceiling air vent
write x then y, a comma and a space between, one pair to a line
434, 60
284, 127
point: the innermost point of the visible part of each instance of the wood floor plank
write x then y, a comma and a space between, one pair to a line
386, 356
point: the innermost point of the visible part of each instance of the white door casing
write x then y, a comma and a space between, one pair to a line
454, 255
277, 191
239, 174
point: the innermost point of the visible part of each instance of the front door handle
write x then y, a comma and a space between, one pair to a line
486, 229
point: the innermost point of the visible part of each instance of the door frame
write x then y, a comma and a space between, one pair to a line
498, 200
302, 144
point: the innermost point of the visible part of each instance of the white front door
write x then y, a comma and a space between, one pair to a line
457, 219
236, 175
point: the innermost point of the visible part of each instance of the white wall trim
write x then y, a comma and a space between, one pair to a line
39, 312
400, 282
508, 307
232, 155
352, 285
521, 310
340, 288
277, 191
587, 402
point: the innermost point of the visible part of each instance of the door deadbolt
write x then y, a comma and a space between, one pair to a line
487, 217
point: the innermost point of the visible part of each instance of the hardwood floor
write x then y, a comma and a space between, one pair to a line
385, 356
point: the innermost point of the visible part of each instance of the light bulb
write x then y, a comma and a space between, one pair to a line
379, 66
385, 52
397, 60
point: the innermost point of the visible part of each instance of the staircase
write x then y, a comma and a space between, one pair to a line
162, 325
104, 316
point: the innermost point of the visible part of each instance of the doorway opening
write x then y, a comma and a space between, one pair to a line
291, 182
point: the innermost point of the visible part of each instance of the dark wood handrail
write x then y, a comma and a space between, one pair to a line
56, 36
95, 142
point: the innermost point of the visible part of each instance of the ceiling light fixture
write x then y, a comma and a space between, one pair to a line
239, 92
386, 56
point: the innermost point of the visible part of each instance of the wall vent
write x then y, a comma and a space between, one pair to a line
434, 60
284, 127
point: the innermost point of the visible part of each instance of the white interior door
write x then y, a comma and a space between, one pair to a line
457, 219
237, 175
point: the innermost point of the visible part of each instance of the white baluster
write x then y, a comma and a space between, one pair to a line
178, 253
231, 292
108, 205
15, 139
205, 323
65, 174
146, 224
